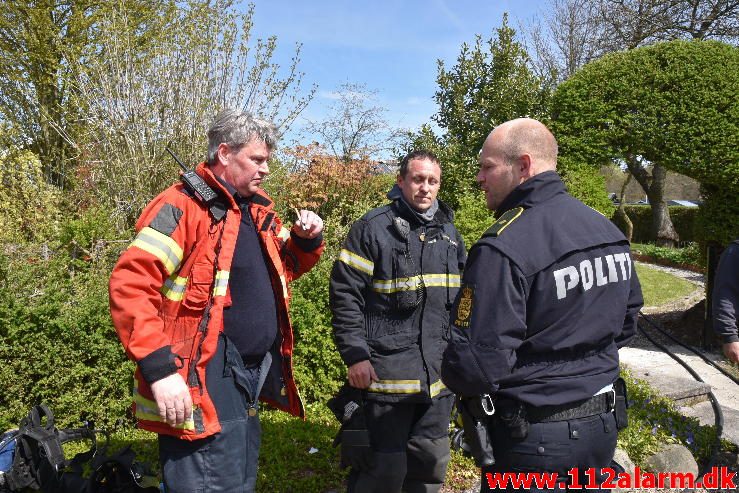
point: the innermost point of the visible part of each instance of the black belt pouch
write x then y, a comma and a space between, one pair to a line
622, 418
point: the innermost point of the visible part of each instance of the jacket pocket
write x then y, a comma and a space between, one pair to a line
388, 334
199, 286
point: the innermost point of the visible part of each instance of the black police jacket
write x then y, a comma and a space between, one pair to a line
549, 295
391, 290
725, 304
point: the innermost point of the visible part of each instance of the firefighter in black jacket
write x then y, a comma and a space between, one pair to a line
391, 291
549, 295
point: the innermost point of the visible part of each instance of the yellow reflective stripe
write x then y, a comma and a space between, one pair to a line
396, 386
174, 287
359, 263
411, 283
161, 246
221, 284
147, 409
436, 387
283, 234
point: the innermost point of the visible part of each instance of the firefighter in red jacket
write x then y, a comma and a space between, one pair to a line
200, 303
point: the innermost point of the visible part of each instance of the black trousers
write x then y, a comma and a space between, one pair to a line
555, 447
410, 444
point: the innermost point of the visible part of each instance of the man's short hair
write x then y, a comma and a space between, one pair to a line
419, 154
528, 138
238, 128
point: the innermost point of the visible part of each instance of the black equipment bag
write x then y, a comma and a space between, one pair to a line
39, 462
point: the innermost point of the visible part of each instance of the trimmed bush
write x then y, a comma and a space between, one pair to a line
683, 218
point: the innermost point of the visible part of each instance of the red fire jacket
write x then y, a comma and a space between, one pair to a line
161, 286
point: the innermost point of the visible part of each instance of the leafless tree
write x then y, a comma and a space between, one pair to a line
138, 103
567, 36
355, 125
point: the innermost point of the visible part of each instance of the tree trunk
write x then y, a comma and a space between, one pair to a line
662, 231
623, 221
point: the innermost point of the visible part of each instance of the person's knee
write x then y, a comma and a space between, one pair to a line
385, 476
428, 459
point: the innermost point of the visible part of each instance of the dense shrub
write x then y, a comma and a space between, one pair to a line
318, 368
472, 217
683, 218
586, 184
57, 344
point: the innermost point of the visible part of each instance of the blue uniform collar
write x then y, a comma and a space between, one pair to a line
532, 192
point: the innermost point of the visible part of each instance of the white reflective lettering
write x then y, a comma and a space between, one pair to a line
628, 260
600, 279
612, 272
586, 274
559, 279
620, 258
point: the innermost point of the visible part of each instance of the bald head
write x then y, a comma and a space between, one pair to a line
524, 136
514, 152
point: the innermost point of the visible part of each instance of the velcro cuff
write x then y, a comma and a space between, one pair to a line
307, 244
354, 355
159, 364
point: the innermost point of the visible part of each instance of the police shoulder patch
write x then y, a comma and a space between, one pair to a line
503, 222
463, 309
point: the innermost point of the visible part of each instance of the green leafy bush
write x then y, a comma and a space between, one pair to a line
472, 217
586, 184
319, 369
689, 256
57, 344
717, 219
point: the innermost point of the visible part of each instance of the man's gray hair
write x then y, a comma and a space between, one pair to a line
238, 128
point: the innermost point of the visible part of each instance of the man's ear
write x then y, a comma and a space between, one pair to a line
223, 152
525, 166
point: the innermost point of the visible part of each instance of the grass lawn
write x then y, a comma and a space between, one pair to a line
659, 287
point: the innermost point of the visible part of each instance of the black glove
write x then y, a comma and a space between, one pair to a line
348, 407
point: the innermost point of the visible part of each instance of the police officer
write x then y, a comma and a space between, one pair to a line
726, 300
548, 296
391, 291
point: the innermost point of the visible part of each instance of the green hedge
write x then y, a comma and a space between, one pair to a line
717, 220
683, 218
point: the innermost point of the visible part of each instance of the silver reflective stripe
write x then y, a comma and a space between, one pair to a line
411, 283
441, 280
396, 386
395, 285
174, 288
221, 285
357, 262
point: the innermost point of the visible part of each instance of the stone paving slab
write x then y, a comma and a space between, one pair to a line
665, 374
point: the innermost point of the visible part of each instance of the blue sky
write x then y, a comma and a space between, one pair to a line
391, 46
